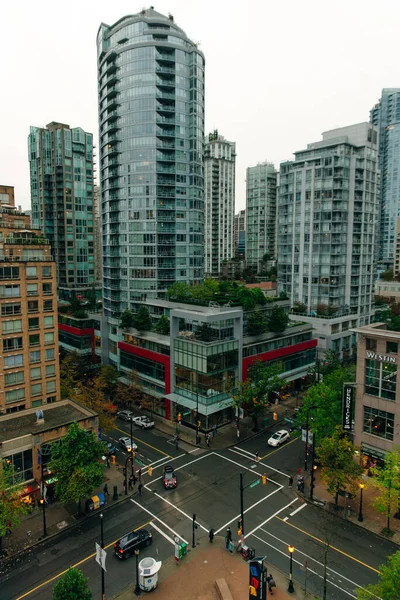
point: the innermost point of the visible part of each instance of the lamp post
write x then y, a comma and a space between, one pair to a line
102, 545
137, 588
290, 587
360, 514
241, 505
305, 452
132, 468
43, 451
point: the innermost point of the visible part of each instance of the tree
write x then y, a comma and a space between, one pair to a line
256, 323
387, 275
127, 319
322, 309
68, 376
142, 319
387, 481
76, 462
131, 394
179, 291
162, 325
258, 296
11, 506
246, 298
204, 333
107, 378
339, 470
277, 319
205, 291
299, 308
72, 586
389, 582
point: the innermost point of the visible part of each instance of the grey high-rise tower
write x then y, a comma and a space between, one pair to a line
151, 118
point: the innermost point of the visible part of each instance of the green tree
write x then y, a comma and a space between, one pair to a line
339, 470
107, 377
11, 506
278, 319
387, 481
179, 291
246, 298
72, 586
256, 323
69, 376
204, 333
387, 275
127, 319
76, 461
205, 291
258, 296
142, 319
389, 582
131, 394
162, 325
92, 394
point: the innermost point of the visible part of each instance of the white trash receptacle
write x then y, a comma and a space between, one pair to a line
148, 574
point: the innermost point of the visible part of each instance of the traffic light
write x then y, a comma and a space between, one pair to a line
150, 471
275, 416
133, 454
240, 527
198, 425
264, 478
179, 417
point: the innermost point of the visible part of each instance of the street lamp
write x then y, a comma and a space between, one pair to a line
102, 545
137, 588
360, 514
305, 452
290, 587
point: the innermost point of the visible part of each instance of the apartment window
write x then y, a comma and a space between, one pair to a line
15, 395
33, 306
11, 326
46, 271
10, 309
36, 403
50, 370
13, 378
36, 373
33, 323
378, 422
36, 389
12, 344
50, 386
49, 338
31, 272
51, 399
380, 379
392, 347
34, 340
13, 361
49, 354
48, 321
371, 344
48, 305
10, 291
47, 289
34, 357
32, 289
9, 272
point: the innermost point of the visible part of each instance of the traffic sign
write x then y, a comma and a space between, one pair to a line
101, 555
256, 482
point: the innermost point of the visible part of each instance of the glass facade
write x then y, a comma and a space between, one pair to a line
378, 422
151, 107
380, 379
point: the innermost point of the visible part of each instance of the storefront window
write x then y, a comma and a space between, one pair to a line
380, 379
378, 422
22, 463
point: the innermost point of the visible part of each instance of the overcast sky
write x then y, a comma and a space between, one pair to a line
278, 74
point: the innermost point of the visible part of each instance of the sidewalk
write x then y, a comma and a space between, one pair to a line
195, 575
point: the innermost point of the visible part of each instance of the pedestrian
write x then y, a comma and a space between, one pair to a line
215, 430
271, 583
8, 528
130, 482
105, 490
140, 474
302, 486
108, 462
290, 481
298, 472
140, 487
257, 456
197, 438
208, 440
228, 538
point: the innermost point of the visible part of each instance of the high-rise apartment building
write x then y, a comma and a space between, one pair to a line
219, 175
98, 250
327, 213
239, 227
151, 111
385, 115
61, 170
261, 182
29, 366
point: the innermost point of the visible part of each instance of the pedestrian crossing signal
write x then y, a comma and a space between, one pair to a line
179, 417
150, 471
198, 425
264, 479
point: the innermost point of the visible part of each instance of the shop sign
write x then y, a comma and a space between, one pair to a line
380, 357
348, 396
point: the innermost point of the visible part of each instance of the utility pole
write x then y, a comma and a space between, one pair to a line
194, 526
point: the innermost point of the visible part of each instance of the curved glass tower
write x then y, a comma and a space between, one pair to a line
151, 118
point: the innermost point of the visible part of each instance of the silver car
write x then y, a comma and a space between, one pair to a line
278, 438
125, 415
125, 443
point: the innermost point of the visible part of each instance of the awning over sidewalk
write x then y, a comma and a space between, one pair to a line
205, 410
372, 451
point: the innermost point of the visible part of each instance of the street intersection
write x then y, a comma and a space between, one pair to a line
208, 486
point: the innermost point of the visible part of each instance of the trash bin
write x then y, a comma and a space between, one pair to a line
148, 574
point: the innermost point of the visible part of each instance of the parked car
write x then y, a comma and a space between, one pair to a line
125, 415
278, 438
132, 541
110, 449
169, 478
125, 443
143, 422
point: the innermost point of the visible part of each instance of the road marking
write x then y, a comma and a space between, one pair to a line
308, 569
271, 517
162, 533
195, 460
298, 509
246, 451
285, 519
280, 447
194, 450
181, 511
261, 463
333, 547
157, 519
142, 442
247, 469
38, 587
248, 509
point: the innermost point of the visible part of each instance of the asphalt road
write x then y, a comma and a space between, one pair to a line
208, 486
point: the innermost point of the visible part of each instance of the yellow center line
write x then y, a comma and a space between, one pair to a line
142, 442
280, 448
333, 547
72, 567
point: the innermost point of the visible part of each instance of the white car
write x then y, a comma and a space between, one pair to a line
125, 443
143, 422
125, 415
278, 438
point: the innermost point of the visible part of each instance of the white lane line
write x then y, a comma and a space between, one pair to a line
162, 533
160, 460
285, 519
181, 511
246, 451
193, 461
262, 463
271, 517
308, 568
159, 520
194, 450
298, 509
246, 468
248, 509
